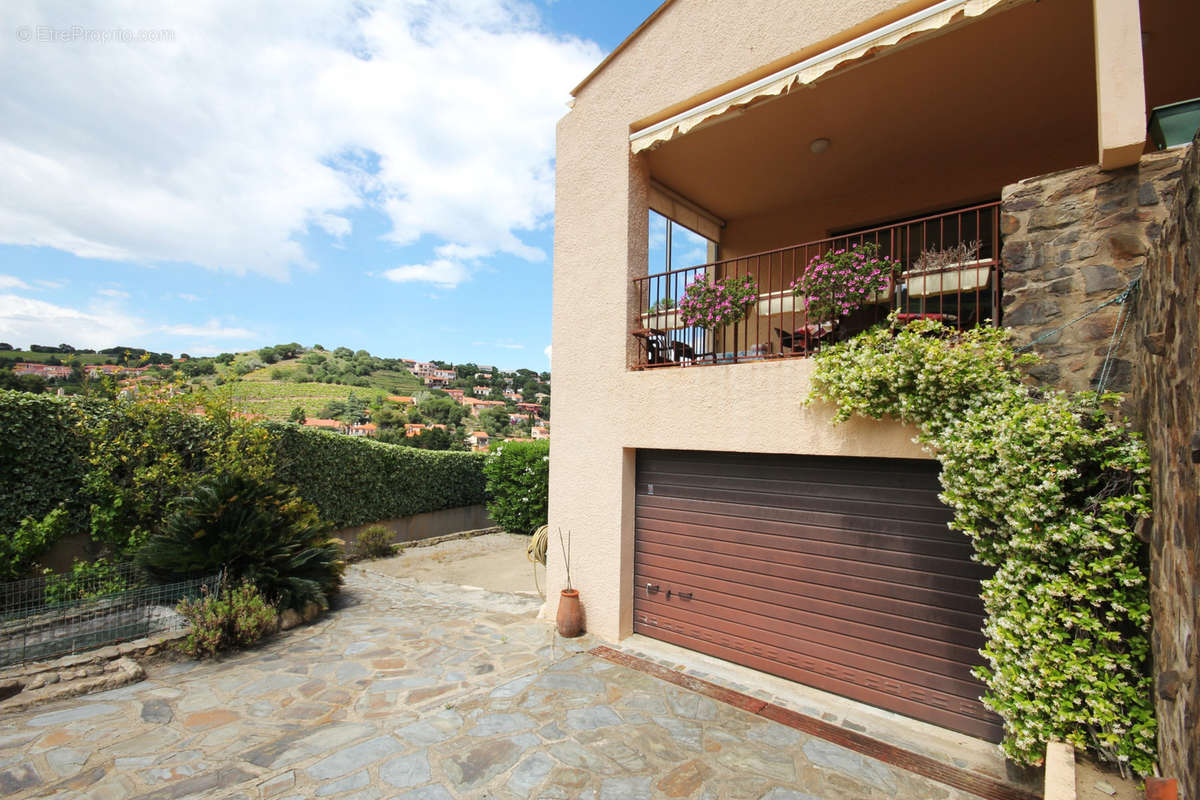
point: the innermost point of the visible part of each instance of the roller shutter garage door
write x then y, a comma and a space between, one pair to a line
838, 573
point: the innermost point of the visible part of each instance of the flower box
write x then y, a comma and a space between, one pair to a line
968, 276
662, 320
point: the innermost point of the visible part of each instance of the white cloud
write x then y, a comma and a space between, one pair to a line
262, 121
13, 282
212, 328
115, 293
547, 352
51, 284
191, 298
27, 321
441, 272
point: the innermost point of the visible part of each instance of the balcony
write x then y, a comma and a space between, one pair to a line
946, 267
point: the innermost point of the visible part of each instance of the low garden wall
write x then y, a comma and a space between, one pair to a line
428, 525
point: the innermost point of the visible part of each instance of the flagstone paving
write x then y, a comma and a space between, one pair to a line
424, 692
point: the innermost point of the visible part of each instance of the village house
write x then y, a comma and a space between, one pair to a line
48, 371
1003, 142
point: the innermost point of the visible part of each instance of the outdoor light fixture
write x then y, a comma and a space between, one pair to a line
819, 145
1174, 124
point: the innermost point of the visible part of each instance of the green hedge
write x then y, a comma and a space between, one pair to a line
41, 457
354, 481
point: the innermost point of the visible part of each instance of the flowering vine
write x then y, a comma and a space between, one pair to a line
1049, 487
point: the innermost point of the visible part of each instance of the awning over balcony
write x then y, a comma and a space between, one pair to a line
929, 21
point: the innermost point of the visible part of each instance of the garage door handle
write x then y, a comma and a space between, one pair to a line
651, 588
684, 595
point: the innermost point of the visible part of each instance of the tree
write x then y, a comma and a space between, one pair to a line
6, 346
494, 421
225, 358
442, 409
267, 355
297, 415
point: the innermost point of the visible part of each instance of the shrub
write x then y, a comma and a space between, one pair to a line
233, 618
42, 460
375, 542
518, 484
31, 538
251, 530
86, 580
1048, 487
355, 481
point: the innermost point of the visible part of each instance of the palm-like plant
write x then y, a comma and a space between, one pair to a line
252, 530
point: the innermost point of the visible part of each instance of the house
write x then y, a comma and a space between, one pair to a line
361, 429
412, 429
48, 371
532, 408
483, 376
403, 400
519, 419
457, 394
478, 406
538, 432
509, 394
481, 391
728, 139
541, 397
438, 378
478, 440
324, 424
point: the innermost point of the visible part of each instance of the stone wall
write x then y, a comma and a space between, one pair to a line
1072, 240
1165, 397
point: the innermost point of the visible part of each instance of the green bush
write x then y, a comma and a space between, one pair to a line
233, 618
86, 580
31, 538
1049, 487
353, 481
42, 460
374, 542
249, 530
518, 485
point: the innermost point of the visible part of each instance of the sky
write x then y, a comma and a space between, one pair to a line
219, 175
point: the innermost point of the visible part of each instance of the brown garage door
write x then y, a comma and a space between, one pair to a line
839, 573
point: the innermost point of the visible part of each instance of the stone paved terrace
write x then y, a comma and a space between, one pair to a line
424, 691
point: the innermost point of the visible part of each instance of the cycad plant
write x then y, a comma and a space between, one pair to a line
252, 530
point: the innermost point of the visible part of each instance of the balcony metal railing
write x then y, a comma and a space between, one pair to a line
948, 269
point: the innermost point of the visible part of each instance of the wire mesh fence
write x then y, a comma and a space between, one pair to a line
54, 615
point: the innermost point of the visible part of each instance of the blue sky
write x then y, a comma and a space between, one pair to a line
377, 175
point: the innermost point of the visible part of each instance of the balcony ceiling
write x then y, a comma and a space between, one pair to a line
949, 120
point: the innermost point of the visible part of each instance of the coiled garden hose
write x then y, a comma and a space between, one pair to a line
535, 551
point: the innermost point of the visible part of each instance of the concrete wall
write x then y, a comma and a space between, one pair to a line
1072, 240
425, 526
1166, 396
600, 245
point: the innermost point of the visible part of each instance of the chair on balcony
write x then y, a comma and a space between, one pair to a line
660, 350
801, 341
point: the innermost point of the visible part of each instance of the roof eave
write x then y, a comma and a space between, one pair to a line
624, 43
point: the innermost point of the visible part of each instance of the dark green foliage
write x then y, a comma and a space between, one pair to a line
235, 618
518, 485
252, 530
42, 460
353, 481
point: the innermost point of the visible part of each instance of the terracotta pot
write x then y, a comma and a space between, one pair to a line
1162, 789
570, 614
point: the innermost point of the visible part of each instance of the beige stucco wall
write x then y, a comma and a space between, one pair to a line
602, 411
